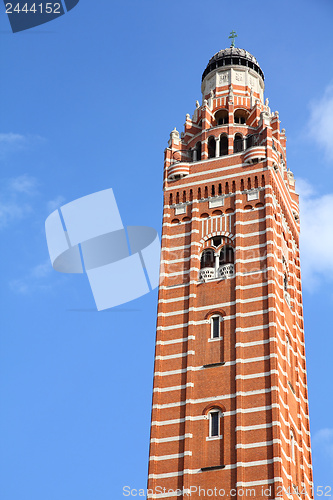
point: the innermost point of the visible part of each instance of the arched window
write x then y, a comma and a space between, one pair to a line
216, 326
207, 259
214, 423
222, 117
238, 143
249, 141
223, 145
226, 255
240, 116
197, 152
226, 262
211, 147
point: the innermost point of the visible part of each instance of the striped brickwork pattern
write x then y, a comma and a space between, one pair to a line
255, 372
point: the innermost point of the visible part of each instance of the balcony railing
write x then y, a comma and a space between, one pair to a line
207, 273
225, 271
210, 273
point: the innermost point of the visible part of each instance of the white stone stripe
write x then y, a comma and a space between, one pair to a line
255, 463
252, 247
170, 439
287, 424
252, 221
175, 341
225, 216
159, 423
173, 356
227, 363
172, 249
181, 235
177, 261
202, 322
215, 398
258, 445
156, 458
222, 305
215, 179
257, 342
174, 388
256, 375
253, 259
259, 483
180, 273
258, 427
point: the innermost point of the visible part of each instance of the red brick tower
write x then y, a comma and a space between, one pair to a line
230, 411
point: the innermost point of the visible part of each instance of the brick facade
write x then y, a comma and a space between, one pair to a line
230, 410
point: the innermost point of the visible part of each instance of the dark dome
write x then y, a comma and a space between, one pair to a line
233, 57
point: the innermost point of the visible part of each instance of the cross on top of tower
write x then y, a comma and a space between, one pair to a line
233, 35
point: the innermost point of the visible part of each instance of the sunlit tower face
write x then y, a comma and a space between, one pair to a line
230, 405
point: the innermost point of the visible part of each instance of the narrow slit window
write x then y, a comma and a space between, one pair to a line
215, 327
214, 418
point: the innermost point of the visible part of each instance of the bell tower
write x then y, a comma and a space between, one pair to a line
230, 411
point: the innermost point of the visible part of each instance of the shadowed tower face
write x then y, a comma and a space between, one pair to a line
230, 410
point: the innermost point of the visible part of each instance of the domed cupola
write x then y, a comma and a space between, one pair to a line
233, 56
233, 69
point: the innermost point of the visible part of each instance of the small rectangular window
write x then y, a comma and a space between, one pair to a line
216, 327
214, 424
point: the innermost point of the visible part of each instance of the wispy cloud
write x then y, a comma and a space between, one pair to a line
316, 235
11, 138
35, 279
15, 198
55, 203
23, 184
321, 123
11, 142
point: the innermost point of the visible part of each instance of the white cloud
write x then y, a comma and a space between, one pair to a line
10, 142
13, 198
55, 203
11, 211
11, 138
316, 240
23, 184
33, 280
321, 122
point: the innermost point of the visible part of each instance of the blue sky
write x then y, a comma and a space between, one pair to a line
88, 102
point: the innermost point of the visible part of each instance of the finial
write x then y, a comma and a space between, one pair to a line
233, 35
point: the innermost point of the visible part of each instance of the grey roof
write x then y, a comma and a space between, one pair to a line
233, 51
232, 56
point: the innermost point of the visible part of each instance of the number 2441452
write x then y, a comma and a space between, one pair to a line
40, 8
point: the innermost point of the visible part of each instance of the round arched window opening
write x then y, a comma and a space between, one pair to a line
222, 117
226, 255
207, 259
238, 143
224, 146
211, 147
240, 116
